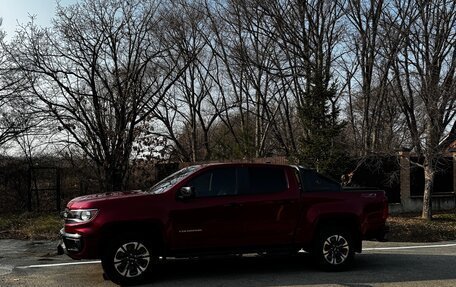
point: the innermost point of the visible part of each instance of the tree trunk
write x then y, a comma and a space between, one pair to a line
112, 179
429, 173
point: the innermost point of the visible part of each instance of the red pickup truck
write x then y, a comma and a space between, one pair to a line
223, 209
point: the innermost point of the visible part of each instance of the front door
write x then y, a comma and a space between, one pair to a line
211, 219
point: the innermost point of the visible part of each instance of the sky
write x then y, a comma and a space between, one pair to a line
14, 11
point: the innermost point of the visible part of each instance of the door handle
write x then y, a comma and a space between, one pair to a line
232, 204
286, 201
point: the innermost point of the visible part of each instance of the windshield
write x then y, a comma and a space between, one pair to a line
171, 180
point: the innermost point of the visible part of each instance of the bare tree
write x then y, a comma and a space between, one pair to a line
249, 102
13, 119
395, 29
190, 108
368, 67
227, 43
267, 92
424, 75
307, 37
99, 72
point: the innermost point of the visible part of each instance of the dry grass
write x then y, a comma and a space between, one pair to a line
36, 226
412, 228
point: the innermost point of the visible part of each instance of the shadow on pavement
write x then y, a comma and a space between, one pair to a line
301, 270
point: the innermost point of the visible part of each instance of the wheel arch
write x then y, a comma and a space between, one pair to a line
149, 230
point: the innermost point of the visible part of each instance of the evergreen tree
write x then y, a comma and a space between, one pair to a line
321, 146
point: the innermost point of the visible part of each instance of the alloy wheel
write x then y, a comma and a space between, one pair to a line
336, 249
131, 259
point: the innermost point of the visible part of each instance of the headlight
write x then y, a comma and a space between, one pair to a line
79, 215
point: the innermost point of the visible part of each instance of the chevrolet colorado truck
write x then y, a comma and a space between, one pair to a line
223, 209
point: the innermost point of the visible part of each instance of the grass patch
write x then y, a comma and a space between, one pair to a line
34, 226
412, 228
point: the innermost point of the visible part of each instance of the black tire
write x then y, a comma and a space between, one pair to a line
334, 249
127, 261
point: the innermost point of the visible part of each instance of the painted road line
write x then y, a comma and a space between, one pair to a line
364, 249
5, 269
60, 264
409, 247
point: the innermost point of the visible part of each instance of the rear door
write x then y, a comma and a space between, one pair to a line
269, 205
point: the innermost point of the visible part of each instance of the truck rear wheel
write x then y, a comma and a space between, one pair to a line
334, 249
127, 261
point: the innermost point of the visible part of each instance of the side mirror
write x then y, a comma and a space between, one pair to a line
186, 192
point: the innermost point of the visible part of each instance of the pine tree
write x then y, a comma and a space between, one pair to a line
321, 145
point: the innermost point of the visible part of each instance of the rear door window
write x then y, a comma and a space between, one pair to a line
262, 180
315, 182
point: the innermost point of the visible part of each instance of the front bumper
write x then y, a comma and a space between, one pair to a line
70, 243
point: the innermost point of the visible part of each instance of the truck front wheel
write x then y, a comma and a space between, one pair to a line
334, 249
127, 261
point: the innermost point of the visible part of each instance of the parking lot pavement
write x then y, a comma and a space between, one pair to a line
36, 263
18, 252
24, 263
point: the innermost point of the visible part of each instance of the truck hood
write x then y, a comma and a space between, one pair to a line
104, 197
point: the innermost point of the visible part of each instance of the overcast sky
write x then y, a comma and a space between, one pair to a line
14, 11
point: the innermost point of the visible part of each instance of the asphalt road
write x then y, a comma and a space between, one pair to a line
25, 263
